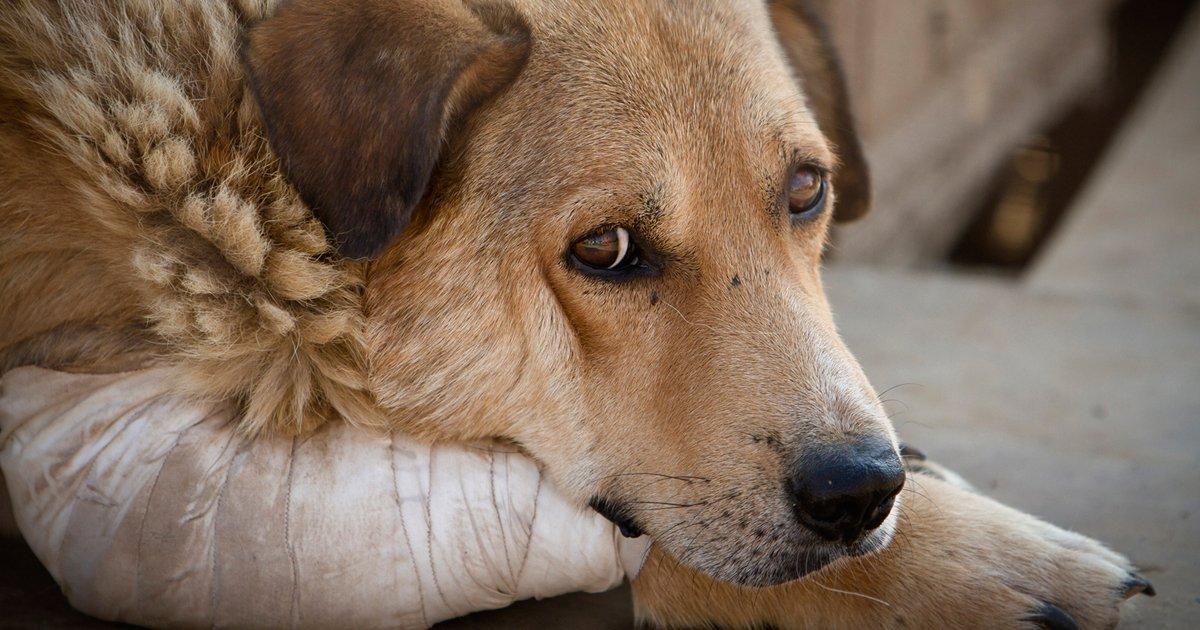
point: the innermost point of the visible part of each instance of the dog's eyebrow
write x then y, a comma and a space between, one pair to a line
794, 146
797, 155
652, 208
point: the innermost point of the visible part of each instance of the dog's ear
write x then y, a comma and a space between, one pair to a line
806, 43
359, 96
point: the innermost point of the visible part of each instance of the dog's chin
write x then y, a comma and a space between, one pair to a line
813, 558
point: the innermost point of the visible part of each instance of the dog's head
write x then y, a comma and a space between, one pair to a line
596, 231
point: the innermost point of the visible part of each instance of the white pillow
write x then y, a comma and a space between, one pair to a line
147, 508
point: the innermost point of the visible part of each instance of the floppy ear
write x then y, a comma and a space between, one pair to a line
358, 97
806, 43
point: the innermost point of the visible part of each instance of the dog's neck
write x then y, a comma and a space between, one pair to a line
220, 267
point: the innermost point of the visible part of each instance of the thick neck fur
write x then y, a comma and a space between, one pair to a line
143, 210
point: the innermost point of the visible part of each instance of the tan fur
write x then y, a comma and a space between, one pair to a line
135, 173
939, 572
143, 208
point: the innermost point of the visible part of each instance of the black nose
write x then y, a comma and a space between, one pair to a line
839, 491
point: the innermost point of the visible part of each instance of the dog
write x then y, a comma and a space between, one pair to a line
590, 228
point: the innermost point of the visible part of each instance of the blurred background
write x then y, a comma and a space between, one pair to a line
1025, 293
983, 119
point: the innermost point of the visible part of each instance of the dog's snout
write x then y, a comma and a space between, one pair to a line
843, 490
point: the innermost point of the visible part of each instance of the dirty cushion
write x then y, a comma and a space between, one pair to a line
148, 508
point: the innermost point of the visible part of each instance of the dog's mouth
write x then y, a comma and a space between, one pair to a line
810, 558
618, 514
767, 566
870, 543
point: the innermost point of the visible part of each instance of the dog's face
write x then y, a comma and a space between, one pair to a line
614, 260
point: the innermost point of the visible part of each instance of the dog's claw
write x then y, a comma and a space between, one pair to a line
1137, 584
1052, 617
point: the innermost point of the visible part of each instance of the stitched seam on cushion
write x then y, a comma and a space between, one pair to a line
82, 484
293, 607
499, 517
537, 495
481, 544
429, 530
404, 529
215, 588
87, 471
137, 558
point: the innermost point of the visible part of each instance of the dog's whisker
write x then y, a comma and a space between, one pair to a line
671, 529
894, 387
919, 490
654, 474
902, 516
667, 504
845, 592
886, 401
916, 422
759, 333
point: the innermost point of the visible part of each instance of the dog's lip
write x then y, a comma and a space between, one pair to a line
618, 514
822, 560
629, 530
812, 558
810, 562
822, 556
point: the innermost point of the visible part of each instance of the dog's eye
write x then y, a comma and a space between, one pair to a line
806, 192
608, 249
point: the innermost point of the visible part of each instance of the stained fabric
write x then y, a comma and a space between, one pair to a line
148, 508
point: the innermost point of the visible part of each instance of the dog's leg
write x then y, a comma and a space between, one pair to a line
958, 560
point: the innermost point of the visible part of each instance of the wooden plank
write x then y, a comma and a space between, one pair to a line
1133, 234
936, 145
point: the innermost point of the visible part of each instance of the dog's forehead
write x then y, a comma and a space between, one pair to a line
647, 73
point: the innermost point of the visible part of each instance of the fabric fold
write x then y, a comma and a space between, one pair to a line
149, 509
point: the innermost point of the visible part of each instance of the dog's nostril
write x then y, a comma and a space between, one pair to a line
843, 490
881, 512
826, 511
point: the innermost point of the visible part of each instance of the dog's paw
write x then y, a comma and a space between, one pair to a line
957, 560
968, 561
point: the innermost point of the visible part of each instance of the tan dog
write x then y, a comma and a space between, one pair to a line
593, 229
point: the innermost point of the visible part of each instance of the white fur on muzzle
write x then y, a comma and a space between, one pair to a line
147, 508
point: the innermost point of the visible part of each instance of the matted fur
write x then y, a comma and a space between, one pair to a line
175, 188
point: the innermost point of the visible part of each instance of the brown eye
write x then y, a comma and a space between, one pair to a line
806, 191
609, 249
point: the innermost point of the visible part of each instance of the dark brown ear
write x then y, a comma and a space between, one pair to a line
358, 97
808, 48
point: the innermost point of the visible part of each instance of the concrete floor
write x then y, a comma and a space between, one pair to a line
1073, 394
1076, 410
1132, 233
